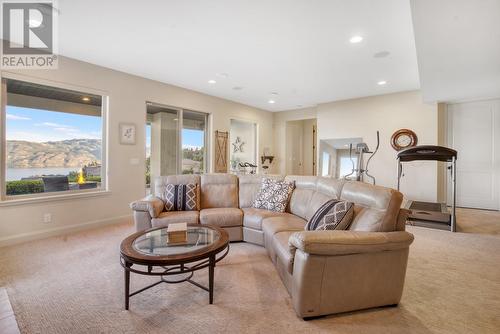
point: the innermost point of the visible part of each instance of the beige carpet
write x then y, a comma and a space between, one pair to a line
75, 285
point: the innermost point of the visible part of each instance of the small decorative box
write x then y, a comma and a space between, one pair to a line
177, 233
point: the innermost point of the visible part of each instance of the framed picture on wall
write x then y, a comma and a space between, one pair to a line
127, 134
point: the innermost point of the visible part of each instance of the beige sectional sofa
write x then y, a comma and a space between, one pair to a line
325, 272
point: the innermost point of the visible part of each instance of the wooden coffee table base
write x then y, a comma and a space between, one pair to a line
179, 269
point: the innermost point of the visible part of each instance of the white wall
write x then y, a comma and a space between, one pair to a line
127, 103
386, 113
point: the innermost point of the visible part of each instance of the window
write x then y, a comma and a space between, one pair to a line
193, 142
54, 140
346, 165
325, 169
175, 142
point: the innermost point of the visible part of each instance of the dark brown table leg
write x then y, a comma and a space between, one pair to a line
211, 268
127, 283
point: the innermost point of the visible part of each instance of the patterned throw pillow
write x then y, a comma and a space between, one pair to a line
180, 197
333, 215
273, 195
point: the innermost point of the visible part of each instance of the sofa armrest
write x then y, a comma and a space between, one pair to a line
348, 242
150, 204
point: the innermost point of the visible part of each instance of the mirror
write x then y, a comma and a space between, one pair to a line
334, 156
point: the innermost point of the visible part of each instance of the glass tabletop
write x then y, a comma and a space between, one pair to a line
155, 243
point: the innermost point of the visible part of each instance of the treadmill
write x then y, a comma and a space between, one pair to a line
434, 215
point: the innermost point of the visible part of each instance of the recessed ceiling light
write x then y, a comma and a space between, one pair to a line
381, 54
237, 88
382, 82
355, 39
271, 101
212, 81
86, 99
274, 94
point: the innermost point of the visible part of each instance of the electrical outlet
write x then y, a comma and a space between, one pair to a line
47, 218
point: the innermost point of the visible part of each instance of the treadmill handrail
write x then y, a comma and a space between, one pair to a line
427, 152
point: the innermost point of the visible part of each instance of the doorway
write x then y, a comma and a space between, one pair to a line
474, 131
301, 147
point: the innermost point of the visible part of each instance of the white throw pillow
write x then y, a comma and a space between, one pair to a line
274, 195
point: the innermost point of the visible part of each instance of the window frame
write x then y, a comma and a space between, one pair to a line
206, 145
60, 195
207, 168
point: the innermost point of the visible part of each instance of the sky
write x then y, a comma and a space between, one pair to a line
38, 125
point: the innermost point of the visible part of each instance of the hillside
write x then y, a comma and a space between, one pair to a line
66, 153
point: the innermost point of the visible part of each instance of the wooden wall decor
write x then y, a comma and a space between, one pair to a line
221, 151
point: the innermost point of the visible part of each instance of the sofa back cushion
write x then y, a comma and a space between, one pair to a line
219, 191
310, 193
162, 181
326, 189
249, 186
305, 187
376, 208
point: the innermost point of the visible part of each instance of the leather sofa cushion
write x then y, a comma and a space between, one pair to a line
273, 225
282, 250
305, 187
219, 191
289, 222
165, 218
222, 217
376, 208
311, 192
253, 217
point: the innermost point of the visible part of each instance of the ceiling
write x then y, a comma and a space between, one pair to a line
297, 49
458, 48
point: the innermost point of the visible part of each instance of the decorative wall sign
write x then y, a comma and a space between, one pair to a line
238, 145
221, 152
127, 134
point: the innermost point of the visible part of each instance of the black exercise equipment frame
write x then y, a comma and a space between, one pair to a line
433, 153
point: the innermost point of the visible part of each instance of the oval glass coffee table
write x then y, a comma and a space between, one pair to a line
153, 255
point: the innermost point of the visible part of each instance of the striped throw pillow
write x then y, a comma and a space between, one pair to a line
333, 215
180, 197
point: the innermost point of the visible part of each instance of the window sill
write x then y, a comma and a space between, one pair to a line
53, 198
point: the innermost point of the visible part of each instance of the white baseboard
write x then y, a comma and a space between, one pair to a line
30, 236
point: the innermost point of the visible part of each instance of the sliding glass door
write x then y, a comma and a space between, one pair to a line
175, 141
194, 132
